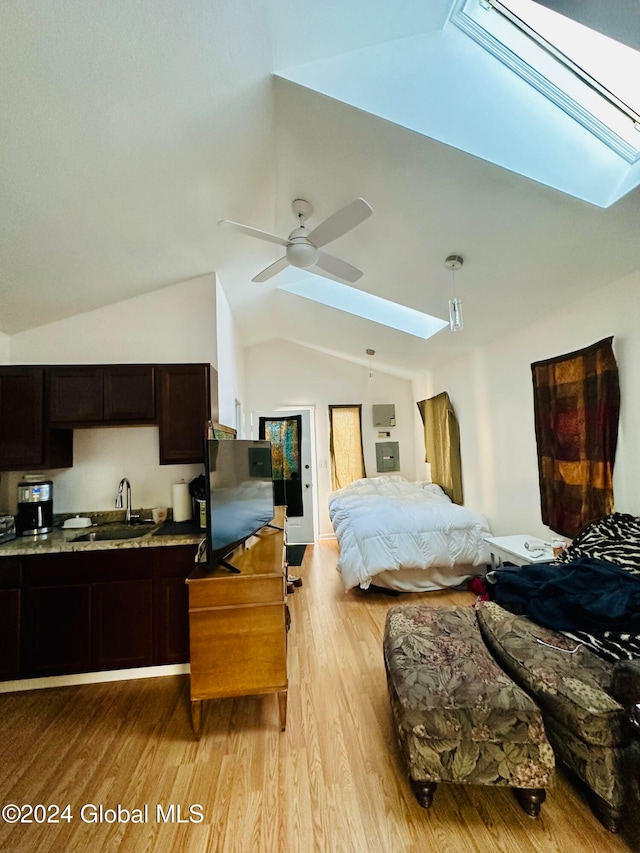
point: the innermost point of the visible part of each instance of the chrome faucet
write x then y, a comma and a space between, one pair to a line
124, 482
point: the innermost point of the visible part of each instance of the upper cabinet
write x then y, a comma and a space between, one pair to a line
40, 407
26, 440
91, 395
185, 408
129, 393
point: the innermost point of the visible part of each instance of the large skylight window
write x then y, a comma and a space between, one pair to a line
610, 67
367, 306
591, 76
483, 85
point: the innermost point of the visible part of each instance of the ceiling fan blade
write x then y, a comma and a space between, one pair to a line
254, 232
272, 270
336, 268
340, 222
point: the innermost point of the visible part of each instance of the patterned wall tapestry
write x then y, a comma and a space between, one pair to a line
576, 404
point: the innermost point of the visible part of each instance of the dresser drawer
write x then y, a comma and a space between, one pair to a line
238, 650
234, 590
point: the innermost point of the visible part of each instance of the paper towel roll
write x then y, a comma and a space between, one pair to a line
181, 502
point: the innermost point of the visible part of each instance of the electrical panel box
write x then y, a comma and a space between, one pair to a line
384, 415
387, 456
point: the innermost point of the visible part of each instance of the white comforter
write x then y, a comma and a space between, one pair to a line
390, 523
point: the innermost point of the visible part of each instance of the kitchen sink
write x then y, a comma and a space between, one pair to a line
105, 535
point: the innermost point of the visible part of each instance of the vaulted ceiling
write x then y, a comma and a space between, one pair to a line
130, 129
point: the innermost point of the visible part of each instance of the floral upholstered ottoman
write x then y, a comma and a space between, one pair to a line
457, 716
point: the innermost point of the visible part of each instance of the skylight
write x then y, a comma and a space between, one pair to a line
613, 67
590, 76
366, 305
482, 85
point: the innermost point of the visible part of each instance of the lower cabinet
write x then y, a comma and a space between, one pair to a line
57, 629
94, 610
10, 610
121, 622
171, 611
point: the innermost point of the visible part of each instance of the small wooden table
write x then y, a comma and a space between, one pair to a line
238, 625
513, 549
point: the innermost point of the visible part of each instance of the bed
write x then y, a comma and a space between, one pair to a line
406, 536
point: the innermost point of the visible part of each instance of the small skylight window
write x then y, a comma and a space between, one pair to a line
366, 305
589, 75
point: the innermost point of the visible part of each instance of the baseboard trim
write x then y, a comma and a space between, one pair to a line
93, 677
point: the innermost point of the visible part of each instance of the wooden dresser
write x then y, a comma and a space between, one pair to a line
238, 625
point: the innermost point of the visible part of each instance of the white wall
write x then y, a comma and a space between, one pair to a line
280, 373
172, 325
422, 390
492, 393
231, 383
5, 348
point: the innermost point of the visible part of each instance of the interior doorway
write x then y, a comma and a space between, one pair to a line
291, 434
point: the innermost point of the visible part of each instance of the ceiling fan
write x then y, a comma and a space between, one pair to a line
303, 246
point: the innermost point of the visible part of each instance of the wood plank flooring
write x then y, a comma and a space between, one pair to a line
332, 782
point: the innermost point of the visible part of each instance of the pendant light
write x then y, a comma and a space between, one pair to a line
370, 353
456, 321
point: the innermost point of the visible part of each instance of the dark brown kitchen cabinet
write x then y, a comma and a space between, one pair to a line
170, 571
129, 393
121, 623
10, 606
185, 409
41, 405
56, 635
90, 611
9, 634
56, 624
121, 608
75, 394
94, 395
57, 630
87, 611
26, 441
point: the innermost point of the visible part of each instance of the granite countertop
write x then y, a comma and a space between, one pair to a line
61, 540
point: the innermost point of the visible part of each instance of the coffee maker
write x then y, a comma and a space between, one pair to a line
35, 507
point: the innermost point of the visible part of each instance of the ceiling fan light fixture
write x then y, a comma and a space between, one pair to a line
302, 254
302, 247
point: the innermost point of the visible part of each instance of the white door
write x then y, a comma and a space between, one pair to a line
301, 520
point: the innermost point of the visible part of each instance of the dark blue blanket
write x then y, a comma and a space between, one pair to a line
585, 595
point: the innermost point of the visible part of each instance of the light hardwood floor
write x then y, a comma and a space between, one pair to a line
332, 782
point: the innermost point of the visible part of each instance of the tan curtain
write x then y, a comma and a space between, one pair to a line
442, 444
345, 445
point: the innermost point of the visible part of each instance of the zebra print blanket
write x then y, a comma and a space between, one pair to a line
615, 538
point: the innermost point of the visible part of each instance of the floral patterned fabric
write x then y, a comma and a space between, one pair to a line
572, 687
587, 727
458, 716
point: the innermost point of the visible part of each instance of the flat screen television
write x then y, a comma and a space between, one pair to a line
239, 494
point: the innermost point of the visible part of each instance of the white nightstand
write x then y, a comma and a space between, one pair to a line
512, 549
